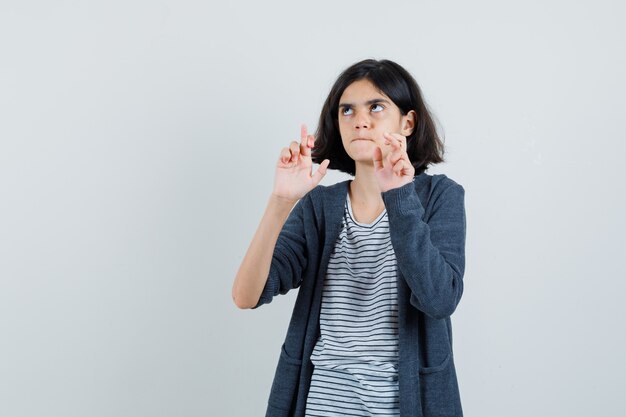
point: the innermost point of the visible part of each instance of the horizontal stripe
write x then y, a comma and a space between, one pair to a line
356, 356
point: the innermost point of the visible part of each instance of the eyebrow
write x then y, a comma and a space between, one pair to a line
368, 102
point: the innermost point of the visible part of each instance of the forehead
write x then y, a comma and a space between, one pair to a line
360, 91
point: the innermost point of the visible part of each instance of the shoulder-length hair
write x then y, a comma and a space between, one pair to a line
424, 147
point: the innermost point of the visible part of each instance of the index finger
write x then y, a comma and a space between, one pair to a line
303, 132
305, 149
396, 140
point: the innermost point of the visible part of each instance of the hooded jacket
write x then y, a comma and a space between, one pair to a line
427, 228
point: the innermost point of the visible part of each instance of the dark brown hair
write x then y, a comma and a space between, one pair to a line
424, 146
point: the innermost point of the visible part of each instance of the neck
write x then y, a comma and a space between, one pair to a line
364, 189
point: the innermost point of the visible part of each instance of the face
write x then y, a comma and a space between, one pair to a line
365, 113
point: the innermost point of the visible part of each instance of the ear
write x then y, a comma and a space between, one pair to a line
408, 123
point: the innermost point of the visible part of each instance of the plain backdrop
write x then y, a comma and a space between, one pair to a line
138, 141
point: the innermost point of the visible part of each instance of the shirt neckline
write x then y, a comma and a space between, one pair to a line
370, 225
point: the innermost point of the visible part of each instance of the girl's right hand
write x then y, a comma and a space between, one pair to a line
293, 177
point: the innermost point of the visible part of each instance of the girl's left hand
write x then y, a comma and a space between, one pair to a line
397, 169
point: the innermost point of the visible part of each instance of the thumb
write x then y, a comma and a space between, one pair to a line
321, 171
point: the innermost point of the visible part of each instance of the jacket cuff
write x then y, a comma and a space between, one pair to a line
402, 200
268, 291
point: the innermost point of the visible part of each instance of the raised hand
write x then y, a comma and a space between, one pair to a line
396, 169
293, 177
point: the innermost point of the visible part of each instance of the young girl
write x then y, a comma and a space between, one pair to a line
378, 260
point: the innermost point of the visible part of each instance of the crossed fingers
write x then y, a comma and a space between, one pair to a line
398, 157
296, 150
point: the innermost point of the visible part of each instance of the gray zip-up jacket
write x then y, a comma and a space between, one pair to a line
427, 227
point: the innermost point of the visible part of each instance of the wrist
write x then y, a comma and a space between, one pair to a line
282, 200
398, 185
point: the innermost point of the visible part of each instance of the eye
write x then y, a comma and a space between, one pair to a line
376, 108
346, 111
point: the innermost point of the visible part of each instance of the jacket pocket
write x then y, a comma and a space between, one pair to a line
285, 385
439, 390
436, 368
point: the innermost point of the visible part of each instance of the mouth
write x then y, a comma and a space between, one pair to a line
362, 139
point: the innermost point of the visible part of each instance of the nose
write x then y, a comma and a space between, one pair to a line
361, 121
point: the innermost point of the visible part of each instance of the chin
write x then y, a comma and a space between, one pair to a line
360, 159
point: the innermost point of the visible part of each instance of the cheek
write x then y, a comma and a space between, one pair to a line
343, 131
392, 123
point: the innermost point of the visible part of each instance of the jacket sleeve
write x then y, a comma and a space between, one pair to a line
289, 258
430, 252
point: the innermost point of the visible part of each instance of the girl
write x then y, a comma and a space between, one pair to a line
378, 260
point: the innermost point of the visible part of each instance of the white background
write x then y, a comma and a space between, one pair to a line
137, 146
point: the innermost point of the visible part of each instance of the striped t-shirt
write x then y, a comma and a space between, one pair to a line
356, 357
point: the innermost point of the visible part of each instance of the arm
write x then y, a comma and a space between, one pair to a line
289, 258
275, 258
431, 253
254, 269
